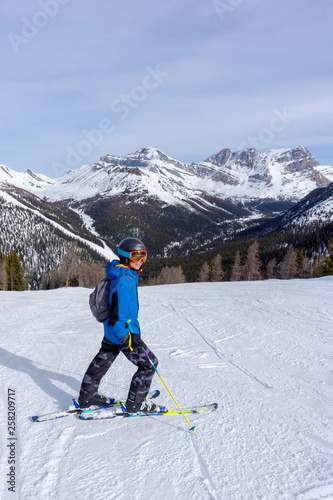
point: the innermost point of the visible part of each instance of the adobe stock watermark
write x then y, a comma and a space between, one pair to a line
31, 27
223, 7
121, 109
279, 121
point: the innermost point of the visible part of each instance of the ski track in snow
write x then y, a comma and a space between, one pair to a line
219, 355
261, 350
204, 472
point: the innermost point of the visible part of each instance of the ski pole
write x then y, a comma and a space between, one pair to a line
152, 364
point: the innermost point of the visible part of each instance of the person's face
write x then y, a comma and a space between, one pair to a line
135, 265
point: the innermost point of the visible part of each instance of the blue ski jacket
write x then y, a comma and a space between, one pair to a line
123, 301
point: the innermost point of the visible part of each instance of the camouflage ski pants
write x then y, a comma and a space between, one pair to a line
108, 352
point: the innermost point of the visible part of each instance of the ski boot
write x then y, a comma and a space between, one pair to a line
147, 406
95, 400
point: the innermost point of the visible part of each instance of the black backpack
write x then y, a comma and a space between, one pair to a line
99, 300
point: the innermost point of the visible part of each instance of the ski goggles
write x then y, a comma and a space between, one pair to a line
135, 255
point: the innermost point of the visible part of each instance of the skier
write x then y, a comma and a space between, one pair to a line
122, 333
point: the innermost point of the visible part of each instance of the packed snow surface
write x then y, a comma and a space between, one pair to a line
261, 350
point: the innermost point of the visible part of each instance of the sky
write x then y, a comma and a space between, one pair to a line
84, 79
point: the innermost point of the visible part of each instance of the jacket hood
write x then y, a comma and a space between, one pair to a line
115, 268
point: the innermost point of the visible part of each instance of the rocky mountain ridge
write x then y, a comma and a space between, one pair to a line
239, 178
176, 207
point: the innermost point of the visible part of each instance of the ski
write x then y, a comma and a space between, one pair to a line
103, 414
73, 410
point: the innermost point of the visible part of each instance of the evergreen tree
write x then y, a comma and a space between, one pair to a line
210, 271
15, 273
237, 270
326, 269
299, 263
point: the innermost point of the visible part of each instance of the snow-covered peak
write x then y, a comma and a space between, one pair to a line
149, 153
7, 175
28, 180
241, 176
5, 171
142, 158
40, 178
277, 174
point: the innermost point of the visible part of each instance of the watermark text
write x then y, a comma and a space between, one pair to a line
12, 441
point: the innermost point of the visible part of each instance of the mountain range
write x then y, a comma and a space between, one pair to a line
175, 207
241, 177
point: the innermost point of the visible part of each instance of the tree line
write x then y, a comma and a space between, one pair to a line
74, 270
246, 266
249, 266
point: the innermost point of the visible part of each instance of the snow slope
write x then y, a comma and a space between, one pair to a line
262, 350
105, 251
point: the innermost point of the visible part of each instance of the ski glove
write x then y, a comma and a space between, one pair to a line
135, 340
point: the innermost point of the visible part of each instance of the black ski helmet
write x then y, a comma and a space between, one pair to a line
129, 245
